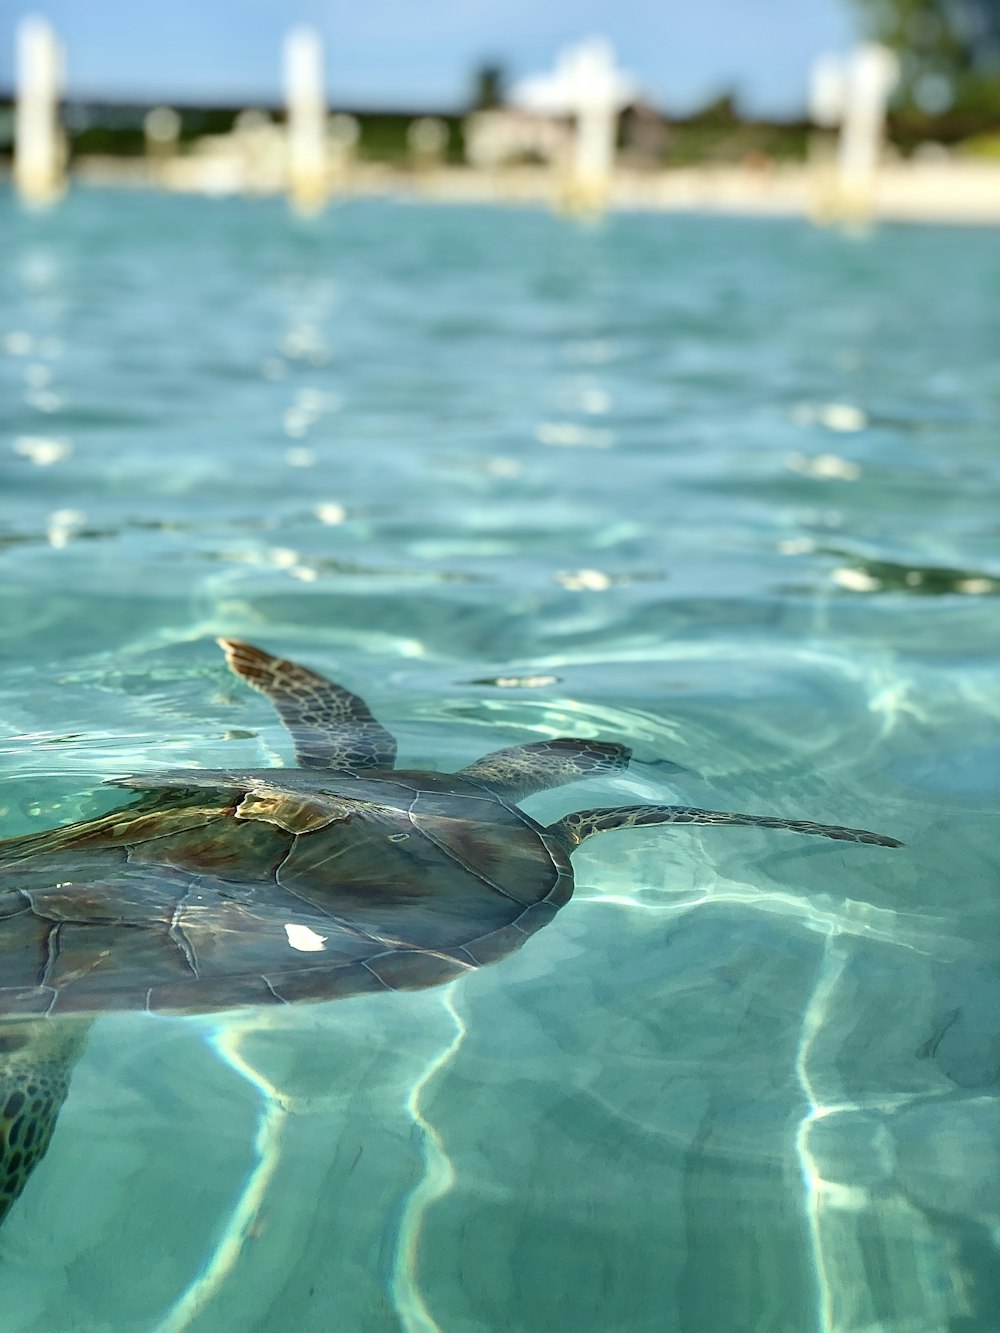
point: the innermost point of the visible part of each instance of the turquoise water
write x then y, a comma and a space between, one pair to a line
725, 490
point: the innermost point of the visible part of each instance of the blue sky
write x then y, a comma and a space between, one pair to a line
419, 53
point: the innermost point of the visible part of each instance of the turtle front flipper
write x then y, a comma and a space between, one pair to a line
331, 727
523, 769
36, 1061
574, 828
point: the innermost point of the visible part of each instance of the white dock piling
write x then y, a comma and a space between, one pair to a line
873, 73
39, 144
594, 95
305, 99
588, 88
343, 135
852, 95
427, 140
162, 129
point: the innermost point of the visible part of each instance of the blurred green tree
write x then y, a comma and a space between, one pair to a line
949, 49
488, 84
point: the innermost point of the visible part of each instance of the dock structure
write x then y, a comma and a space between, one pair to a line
553, 141
39, 142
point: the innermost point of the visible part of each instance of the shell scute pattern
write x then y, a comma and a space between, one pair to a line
340, 876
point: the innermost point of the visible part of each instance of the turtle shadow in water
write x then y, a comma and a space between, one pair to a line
342, 876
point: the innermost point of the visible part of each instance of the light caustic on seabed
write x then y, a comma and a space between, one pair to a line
276, 1106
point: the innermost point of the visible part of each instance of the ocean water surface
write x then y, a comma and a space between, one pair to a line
725, 490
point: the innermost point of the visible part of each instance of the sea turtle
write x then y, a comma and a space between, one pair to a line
270, 886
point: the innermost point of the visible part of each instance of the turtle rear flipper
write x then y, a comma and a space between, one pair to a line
36, 1061
521, 770
331, 727
573, 828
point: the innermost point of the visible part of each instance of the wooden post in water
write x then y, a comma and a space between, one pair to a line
39, 145
872, 76
827, 95
343, 134
305, 100
853, 95
427, 140
593, 88
587, 88
162, 129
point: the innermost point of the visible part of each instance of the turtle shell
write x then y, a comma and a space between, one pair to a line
271, 887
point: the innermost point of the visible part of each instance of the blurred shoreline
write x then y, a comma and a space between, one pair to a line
945, 192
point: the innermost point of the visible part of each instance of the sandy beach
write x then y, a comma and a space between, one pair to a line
947, 192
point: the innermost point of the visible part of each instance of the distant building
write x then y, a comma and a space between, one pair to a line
509, 136
644, 134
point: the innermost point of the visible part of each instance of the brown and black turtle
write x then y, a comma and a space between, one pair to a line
271, 886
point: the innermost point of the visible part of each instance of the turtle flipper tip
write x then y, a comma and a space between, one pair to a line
245, 659
865, 836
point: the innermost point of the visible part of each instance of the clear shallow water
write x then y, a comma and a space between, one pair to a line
725, 490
